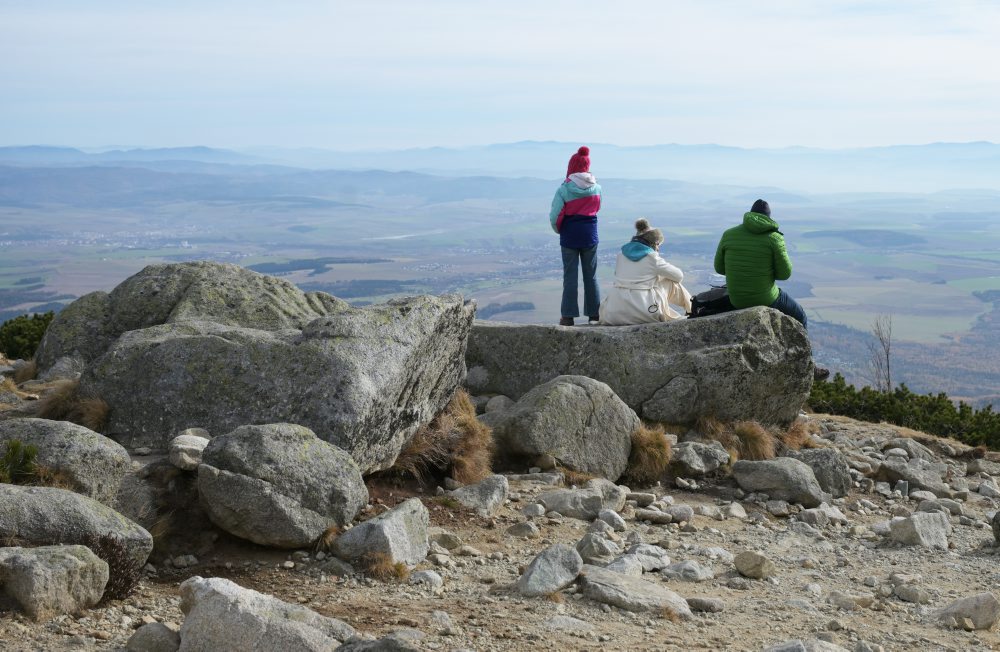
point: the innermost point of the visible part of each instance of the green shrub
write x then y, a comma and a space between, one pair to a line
18, 463
20, 336
936, 415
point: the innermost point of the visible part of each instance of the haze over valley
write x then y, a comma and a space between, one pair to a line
925, 250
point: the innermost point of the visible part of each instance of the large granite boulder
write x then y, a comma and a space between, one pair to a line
52, 580
278, 485
363, 379
222, 615
45, 515
631, 593
577, 420
168, 293
94, 464
747, 364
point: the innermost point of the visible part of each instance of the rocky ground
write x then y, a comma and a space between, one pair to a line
845, 584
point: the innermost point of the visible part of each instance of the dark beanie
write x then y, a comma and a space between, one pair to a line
760, 206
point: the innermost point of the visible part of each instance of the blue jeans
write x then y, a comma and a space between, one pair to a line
786, 304
587, 259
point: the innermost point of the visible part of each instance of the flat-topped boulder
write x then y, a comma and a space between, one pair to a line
747, 364
169, 293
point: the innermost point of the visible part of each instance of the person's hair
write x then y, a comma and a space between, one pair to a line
647, 234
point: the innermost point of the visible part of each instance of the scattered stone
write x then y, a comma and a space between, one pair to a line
979, 611
626, 565
734, 510
849, 602
641, 499
613, 519
568, 624
279, 485
652, 558
527, 529
400, 534
630, 593
551, 570
688, 571
153, 637
221, 615
911, 593
185, 450
586, 503
706, 605
697, 459
594, 548
680, 513
754, 565
51, 580
485, 497
427, 577
927, 529
578, 420
783, 478
499, 403
778, 507
653, 516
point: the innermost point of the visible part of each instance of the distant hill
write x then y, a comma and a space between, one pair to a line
40, 154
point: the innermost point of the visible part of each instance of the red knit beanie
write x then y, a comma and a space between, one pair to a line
579, 162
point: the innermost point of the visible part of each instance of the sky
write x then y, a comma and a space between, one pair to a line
388, 74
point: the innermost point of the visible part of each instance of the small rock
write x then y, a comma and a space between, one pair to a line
706, 605
981, 611
754, 565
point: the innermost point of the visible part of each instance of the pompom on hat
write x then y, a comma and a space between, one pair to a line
579, 162
647, 234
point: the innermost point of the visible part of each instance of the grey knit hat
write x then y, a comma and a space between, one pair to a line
652, 237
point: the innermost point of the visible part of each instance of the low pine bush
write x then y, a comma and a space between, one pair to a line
20, 336
934, 414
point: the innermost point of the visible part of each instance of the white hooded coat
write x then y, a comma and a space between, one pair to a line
643, 291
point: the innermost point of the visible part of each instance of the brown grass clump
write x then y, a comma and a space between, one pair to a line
455, 440
379, 566
797, 436
650, 456
26, 372
669, 614
756, 443
325, 540
576, 478
46, 476
64, 403
556, 597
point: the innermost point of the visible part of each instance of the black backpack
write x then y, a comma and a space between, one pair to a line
710, 302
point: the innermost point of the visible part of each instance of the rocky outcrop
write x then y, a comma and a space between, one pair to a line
52, 580
551, 570
578, 421
165, 294
221, 615
94, 464
364, 380
748, 364
45, 515
278, 485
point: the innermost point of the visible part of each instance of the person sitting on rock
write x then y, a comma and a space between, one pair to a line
574, 217
752, 256
645, 284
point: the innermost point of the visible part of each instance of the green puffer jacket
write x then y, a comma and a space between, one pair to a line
752, 256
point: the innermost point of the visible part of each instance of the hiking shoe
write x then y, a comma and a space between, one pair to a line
566, 321
819, 373
593, 321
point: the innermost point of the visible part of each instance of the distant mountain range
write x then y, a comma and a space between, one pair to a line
904, 168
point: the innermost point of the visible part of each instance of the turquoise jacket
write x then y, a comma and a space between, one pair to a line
752, 256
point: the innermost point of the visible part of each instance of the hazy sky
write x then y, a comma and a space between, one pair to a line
388, 74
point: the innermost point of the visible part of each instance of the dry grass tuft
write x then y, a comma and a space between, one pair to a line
756, 443
379, 566
669, 614
798, 435
454, 440
26, 372
556, 597
64, 403
650, 456
447, 501
325, 540
161, 529
46, 476
577, 478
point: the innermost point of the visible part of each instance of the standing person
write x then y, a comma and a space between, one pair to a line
645, 284
574, 218
752, 255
